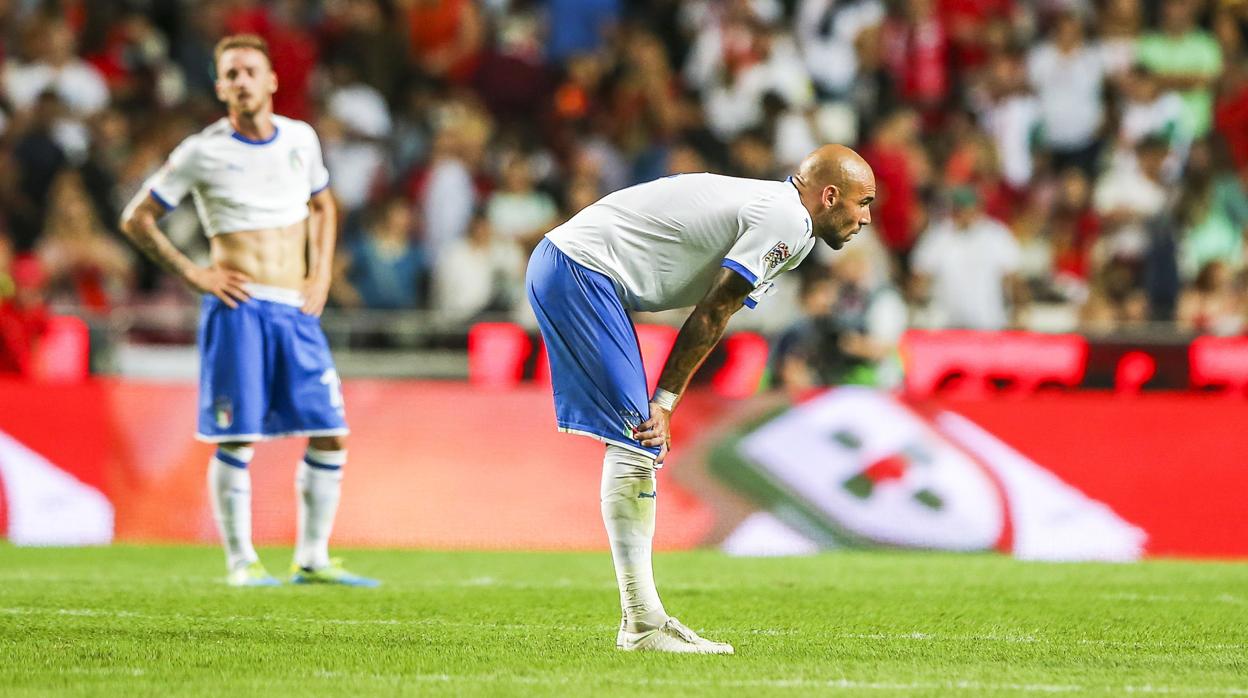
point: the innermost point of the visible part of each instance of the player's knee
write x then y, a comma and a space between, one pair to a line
626, 473
325, 460
328, 443
235, 454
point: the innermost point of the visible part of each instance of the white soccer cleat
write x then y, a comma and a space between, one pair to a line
251, 574
673, 636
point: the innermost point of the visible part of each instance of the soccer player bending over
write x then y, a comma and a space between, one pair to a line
702, 240
262, 193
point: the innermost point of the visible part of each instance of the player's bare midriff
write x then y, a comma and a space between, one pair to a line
271, 256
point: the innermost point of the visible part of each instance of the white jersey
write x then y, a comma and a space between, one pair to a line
663, 242
241, 184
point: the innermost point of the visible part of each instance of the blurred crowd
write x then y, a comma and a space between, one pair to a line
1074, 164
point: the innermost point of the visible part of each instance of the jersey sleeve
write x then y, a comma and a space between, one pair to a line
318, 174
771, 240
174, 180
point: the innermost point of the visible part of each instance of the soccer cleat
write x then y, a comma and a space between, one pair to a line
333, 573
252, 574
673, 636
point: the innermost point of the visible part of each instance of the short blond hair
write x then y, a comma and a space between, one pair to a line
252, 41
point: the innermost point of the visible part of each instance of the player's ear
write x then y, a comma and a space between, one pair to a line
831, 195
219, 86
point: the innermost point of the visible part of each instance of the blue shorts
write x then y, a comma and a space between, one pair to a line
265, 371
595, 362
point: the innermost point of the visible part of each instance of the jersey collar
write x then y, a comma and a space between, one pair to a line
240, 137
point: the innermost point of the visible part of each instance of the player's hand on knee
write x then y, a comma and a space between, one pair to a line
656, 431
226, 284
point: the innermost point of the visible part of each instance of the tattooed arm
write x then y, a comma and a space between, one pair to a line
698, 336
138, 222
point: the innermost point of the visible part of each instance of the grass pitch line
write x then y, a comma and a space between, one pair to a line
437, 622
796, 684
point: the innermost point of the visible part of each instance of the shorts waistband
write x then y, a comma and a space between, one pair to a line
274, 294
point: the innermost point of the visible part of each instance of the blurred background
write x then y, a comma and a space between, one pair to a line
1057, 252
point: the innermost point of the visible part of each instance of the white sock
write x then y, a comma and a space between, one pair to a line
229, 486
318, 483
629, 498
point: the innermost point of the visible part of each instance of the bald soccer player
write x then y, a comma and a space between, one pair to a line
262, 193
708, 241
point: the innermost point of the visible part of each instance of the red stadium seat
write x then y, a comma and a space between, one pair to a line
744, 366
1220, 362
496, 354
541, 369
1135, 368
64, 353
968, 362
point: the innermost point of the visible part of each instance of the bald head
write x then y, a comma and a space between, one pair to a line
837, 187
836, 165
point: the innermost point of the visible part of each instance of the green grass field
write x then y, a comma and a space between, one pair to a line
132, 621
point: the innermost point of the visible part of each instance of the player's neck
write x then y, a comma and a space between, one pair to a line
805, 194
254, 127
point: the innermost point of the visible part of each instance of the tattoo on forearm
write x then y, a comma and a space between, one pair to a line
153, 243
699, 335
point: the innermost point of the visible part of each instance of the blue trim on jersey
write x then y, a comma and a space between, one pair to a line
164, 204
231, 460
750, 303
319, 465
740, 269
318, 191
240, 137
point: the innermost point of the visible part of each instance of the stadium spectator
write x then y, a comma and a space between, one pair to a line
1185, 58
23, 317
1072, 231
827, 32
1068, 74
1213, 212
967, 264
382, 268
1129, 194
365, 35
83, 263
797, 352
736, 62
1012, 116
899, 161
479, 273
354, 132
447, 37
517, 210
53, 66
916, 48
1118, 31
428, 98
1212, 305
1148, 110
870, 317
577, 27
1231, 113
446, 190
37, 159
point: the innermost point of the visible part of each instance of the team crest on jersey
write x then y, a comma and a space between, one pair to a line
296, 161
632, 422
223, 412
777, 255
